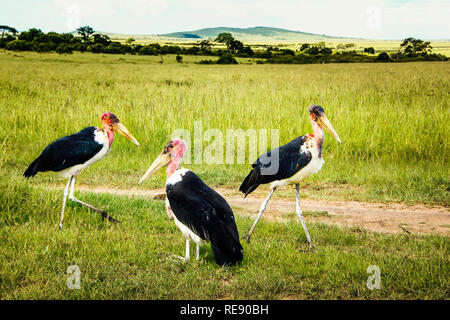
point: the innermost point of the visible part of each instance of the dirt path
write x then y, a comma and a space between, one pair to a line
380, 217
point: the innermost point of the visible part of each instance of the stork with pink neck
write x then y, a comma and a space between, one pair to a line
70, 155
290, 164
201, 214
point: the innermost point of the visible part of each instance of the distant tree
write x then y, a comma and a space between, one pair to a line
383, 56
370, 50
235, 46
85, 33
247, 51
414, 47
179, 58
31, 34
101, 38
5, 29
304, 46
349, 45
130, 40
205, 45
224, 37
340, 46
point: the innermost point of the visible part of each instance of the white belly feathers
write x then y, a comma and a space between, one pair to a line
102, 138
312, 167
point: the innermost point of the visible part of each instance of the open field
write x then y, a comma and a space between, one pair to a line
392, 118
131, 260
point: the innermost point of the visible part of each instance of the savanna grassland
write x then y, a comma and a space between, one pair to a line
392, 118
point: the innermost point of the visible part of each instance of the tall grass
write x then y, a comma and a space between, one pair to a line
392, 118
131, 260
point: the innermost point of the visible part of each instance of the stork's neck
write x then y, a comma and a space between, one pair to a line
110, 134
173, 166
319, 136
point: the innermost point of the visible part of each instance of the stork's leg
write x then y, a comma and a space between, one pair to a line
261, 211
72, 197
66, 192
197, 252
187, 255
300, 215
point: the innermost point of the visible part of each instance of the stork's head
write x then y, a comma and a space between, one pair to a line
111, 122
171, 157
317, 114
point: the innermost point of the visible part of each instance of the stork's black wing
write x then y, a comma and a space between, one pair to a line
66, 152
266, 169
208, 215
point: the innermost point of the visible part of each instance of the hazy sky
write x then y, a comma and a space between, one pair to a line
377, 19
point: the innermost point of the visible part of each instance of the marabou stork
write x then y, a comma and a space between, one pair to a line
71, 154
295, 161
199, 212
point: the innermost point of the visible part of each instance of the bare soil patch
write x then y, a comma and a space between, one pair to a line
379, 217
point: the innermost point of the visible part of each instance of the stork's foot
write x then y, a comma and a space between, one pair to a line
246, 238
178, 259
107, 216
103, 213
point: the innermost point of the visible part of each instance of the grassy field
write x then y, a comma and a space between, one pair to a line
392, 118
131, 260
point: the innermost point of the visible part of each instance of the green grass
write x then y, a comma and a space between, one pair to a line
130, 260
392, 118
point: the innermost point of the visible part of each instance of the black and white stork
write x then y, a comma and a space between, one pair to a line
199, 212
71, 154
290, 164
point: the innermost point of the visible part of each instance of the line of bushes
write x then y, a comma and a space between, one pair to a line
88, 41
350, 56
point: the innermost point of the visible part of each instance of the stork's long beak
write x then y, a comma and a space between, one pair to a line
162, 160
120, 128
325, 123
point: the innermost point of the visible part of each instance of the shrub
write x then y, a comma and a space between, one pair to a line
326, 51
383, 56
95, 48
44, 46
64, 48
226, 59
205, 62
19, 45
312, 50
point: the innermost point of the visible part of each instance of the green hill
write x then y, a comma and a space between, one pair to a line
254, 33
